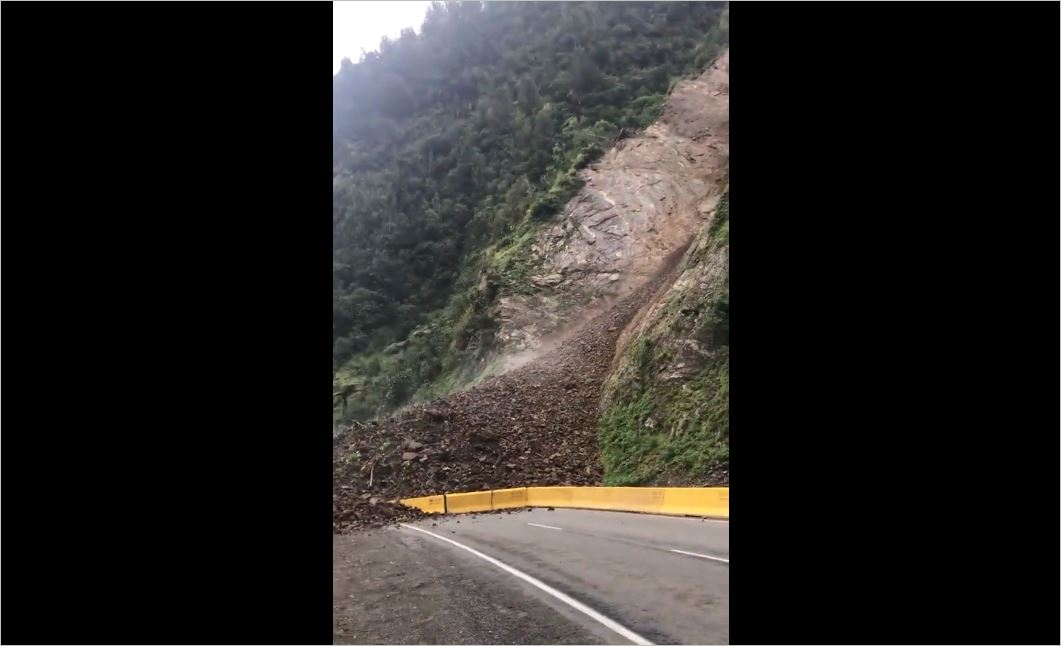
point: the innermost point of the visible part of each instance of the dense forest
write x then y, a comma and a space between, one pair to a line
452, 145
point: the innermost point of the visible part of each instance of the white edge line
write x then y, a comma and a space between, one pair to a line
611, 624
546, 526
703, 556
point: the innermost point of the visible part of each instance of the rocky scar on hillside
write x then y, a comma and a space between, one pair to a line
642, 200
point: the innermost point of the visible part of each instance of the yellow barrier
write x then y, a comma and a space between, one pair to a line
550, 496
679, 501
508, 498
462, 503
430, 504
711, 501
643, 499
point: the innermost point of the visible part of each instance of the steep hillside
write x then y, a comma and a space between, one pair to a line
665, 409
454, 147
645, 198
654, 340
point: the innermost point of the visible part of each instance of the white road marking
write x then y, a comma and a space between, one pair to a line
546, 526
703, 556
611, 624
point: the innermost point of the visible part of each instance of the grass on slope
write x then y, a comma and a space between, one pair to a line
666, 413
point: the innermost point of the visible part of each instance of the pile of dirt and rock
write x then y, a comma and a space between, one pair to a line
533, 426
351, 511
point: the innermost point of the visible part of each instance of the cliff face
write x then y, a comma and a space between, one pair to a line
645, 199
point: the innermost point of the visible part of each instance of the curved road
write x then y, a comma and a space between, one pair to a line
537, 576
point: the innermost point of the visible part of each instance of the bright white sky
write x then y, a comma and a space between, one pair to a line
358, 25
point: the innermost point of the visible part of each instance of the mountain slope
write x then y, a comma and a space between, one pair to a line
453, 148
540, 422
645, 198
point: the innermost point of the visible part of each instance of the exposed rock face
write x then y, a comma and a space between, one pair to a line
648, 196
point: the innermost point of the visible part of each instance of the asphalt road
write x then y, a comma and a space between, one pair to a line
563, 576
399, 587
660, 579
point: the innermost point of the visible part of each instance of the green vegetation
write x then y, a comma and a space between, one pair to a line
452, 147
666, 412
680, 431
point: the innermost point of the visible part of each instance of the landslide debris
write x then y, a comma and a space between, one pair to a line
533, 426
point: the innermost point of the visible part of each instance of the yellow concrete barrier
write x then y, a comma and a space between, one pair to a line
462, 503
680, 501
430, 504
642, 499
709, 501
550, 496
508, 498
